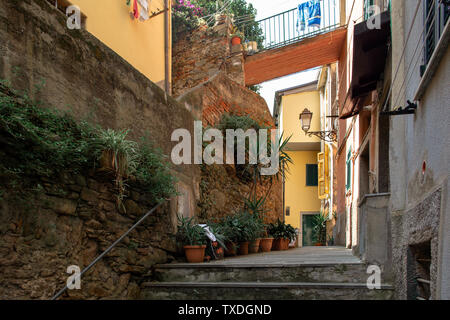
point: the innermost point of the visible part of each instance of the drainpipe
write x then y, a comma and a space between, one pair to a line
166, 48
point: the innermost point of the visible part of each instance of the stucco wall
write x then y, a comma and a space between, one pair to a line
140, 43
299, 197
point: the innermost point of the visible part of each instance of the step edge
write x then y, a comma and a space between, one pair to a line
285, 285
243, 266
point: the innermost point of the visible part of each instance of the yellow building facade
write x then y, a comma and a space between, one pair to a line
144, 43
301, 198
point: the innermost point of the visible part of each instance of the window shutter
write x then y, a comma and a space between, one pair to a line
321, 175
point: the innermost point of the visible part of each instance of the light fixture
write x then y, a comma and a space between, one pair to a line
305, 119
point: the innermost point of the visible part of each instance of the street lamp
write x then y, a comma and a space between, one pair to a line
305, 119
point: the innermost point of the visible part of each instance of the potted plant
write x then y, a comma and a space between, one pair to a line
256, 225
283, 234
244, 231
320, 229
230, 229
266, 241
236, 36
193, 238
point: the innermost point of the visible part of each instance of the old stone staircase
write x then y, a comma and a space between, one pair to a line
303, 274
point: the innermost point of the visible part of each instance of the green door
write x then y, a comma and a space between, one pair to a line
307, 230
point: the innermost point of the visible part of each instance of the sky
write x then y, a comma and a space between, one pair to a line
267, 8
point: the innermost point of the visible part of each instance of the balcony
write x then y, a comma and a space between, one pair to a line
288, 49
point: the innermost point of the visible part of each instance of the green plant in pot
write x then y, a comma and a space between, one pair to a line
230, 229
320, 229
193, 238
283, 234
256, 224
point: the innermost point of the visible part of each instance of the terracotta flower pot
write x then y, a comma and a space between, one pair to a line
235, 40
254, 246
231, 249
266, 244
285, 244
276, 245
195, 254
243, 248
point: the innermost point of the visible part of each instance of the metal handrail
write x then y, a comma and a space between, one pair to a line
281, 29
60, 292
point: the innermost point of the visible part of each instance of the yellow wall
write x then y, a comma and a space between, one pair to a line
292, 106
140, 43
298, 196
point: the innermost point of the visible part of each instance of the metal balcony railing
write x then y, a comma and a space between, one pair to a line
282, 29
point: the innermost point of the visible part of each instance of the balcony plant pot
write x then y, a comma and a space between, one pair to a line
254, 246
195, 254
243, 248
235, 40
231, 249
266, 244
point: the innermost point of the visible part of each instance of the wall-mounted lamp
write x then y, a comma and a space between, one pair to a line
305, 119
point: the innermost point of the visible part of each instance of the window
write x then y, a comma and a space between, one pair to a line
311, 175
436, 13
288, 211
348, 183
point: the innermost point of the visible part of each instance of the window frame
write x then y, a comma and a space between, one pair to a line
309, 165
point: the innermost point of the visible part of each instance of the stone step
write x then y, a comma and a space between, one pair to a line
262, 291
204, 272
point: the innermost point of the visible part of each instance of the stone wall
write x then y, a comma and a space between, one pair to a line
70, 221
222, 191
72, 71
200, 55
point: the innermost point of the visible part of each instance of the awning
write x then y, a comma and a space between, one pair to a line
370, 49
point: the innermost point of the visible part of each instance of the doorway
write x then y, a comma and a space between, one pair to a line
307, 229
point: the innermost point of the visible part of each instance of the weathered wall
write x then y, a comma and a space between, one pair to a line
74, 72
200, 55
221, 190
420, 195
70, 222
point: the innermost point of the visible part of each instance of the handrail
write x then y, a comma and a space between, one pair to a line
60, 292
281, 29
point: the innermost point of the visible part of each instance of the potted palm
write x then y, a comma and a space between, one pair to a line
320, 229
193, 238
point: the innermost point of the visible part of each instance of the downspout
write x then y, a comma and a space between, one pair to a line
166, 48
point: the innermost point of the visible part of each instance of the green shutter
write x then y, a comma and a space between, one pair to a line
311, 175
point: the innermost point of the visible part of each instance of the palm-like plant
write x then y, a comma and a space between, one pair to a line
320, 228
